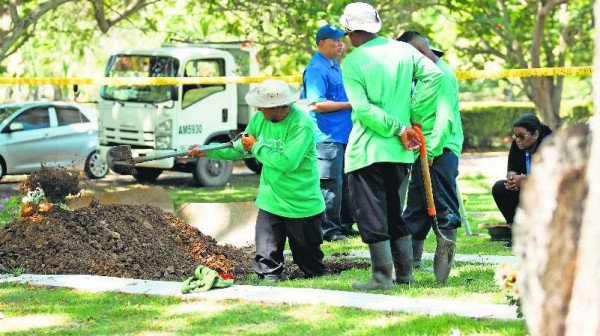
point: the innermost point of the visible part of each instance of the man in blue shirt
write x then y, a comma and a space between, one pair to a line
324, 92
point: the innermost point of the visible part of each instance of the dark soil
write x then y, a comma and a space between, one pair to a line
56, 182
136, 241
115, 240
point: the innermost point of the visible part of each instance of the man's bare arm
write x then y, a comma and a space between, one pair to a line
330, 106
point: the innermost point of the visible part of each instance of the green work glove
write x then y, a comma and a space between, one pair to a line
204, 279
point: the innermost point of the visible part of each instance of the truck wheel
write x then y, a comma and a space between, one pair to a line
253, 164
212, 173
146, 174
95, 168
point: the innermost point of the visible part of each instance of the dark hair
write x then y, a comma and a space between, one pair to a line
408, 36
531, 123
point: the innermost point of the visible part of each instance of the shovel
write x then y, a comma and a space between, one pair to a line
444, 251
121, 161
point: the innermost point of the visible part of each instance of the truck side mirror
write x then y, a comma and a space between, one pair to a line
175, 92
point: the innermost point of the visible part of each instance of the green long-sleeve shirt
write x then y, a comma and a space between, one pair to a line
289, 181
378, 79
445, 129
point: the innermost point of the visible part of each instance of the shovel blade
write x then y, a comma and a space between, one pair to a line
123, 168
120, 153
443, 259
119, 160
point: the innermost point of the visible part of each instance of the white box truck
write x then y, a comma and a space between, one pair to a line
158, 119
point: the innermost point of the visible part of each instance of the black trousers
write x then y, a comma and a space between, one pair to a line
506, 200
443, 171
305, 240
374, 192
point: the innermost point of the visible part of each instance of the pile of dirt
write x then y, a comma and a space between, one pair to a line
137, 241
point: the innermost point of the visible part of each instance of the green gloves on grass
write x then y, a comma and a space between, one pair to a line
204, 279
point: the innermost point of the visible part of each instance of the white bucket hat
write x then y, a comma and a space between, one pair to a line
361, 16
272, 93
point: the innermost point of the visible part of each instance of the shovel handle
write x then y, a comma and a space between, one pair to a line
141, 159
448, 245
426, 176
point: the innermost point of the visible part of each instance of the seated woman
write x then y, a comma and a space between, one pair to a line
528, 134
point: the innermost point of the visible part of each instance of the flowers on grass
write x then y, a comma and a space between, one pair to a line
34, 196
35, 202
9, 208
506, 278
13, 207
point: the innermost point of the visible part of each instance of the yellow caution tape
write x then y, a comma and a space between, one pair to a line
471, 74
132, 81
534, 72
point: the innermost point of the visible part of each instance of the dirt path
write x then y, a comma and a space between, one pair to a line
9, 184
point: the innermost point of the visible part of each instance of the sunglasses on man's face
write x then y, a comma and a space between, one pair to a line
520, 137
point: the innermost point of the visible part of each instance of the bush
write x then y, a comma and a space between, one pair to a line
573, 112
487, 125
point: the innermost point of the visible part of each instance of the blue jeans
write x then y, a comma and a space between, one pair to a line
443, 182
337, 217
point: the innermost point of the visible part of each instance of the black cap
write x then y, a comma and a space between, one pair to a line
409, 35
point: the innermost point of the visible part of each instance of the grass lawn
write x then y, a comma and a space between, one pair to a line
68, 312
65, 312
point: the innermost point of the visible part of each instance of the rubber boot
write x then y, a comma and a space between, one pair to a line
402, 254
442, 260
417, 247
381, 267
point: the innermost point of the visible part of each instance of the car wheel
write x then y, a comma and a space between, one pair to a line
212, 173
95, 168
253, 164
143, 174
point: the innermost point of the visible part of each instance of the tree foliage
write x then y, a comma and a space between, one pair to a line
527, 34
286, 29
19, 19
52, 41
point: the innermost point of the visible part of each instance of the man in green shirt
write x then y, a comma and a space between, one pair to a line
377, 76
290, 203
443, 139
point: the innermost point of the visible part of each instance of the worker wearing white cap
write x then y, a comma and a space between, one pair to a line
377, 76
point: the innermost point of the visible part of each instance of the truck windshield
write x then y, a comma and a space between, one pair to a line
140, 66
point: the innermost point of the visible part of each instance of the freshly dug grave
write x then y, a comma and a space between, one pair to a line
137, 241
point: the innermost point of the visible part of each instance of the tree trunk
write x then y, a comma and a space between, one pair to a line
547, 229
546, 95
57, 93
557, 229
584, 315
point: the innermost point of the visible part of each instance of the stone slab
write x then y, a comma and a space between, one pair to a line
467, 258
276, 295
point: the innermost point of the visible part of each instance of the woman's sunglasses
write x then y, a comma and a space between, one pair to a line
520, 136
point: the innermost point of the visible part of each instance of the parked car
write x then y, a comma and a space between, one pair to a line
53, 133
